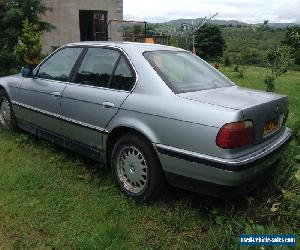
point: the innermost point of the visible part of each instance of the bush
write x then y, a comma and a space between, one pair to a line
297, 56
241, 73
294, 67
270, 82
251, 56
278, 61
297, 132
29, 52
292, 39
227, 61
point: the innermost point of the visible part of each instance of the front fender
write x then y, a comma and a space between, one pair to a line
11, 85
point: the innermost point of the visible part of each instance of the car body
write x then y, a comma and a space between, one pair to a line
181, 123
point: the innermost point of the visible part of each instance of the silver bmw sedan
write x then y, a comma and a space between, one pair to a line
153, 114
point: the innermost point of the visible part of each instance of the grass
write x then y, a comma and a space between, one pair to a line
51, 198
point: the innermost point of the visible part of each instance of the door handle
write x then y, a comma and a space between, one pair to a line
56, 94
108, 105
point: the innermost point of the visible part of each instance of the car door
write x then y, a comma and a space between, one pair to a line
40, 97
100, 85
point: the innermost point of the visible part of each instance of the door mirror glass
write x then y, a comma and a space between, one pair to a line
27, 72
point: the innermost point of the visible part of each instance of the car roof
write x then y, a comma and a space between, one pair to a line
127, 45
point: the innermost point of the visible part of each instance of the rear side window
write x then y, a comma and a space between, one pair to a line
104, 67
59, 66
123, 78
97, 67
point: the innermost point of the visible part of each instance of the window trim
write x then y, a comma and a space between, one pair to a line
110, 47
37, 69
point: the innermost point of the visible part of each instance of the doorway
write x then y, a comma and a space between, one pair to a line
93, 25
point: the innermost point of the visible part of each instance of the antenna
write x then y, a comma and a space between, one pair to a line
203, 21
185, 28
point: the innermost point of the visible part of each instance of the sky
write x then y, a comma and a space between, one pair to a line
251, 11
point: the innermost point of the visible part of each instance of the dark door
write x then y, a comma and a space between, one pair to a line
100, 25
93, 25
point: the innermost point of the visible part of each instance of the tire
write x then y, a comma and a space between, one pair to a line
7, 116
136, 168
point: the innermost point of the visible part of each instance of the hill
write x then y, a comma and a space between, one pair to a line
170, 26
197, 21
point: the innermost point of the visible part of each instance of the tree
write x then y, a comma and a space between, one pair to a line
292, 36
209, 42
264, 27
29, 51
292, 39
12, 15
278, 61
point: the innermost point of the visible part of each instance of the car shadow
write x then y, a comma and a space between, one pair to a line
170, 195
262, 194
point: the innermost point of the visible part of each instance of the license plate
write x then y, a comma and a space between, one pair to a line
271, 126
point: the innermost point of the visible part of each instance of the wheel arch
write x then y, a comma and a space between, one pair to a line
2, 87
119, 131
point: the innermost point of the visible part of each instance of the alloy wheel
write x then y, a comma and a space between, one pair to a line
5, 115
132, 169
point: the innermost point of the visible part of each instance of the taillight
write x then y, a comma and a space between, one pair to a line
236, 134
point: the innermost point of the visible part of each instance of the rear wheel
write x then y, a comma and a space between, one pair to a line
136, 168
7, 117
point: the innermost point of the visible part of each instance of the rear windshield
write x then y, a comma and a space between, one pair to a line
185, 72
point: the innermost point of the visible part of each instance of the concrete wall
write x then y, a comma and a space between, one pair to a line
65, 17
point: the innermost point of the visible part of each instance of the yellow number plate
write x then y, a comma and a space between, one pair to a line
271, 126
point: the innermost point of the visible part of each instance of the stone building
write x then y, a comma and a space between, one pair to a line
81, 20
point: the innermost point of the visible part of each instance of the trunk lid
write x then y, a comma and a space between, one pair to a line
258, 106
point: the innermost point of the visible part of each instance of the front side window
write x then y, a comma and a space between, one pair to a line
185, 72
97, 67
59, 66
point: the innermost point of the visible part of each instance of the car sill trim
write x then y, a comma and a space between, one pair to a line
61, 118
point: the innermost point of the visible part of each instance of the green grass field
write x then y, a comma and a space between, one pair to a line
51, 198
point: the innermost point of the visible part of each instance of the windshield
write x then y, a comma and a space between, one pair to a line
185, 72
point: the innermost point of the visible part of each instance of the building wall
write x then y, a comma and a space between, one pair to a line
65, 17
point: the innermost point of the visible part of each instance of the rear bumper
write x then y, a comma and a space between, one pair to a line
217, 176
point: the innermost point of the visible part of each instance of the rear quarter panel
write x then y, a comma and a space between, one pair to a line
175, 121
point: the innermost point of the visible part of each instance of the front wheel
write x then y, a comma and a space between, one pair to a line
7, 118
136, 168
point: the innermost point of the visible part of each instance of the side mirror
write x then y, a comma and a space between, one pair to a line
27, 72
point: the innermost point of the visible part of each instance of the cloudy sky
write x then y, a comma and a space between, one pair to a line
251, 11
